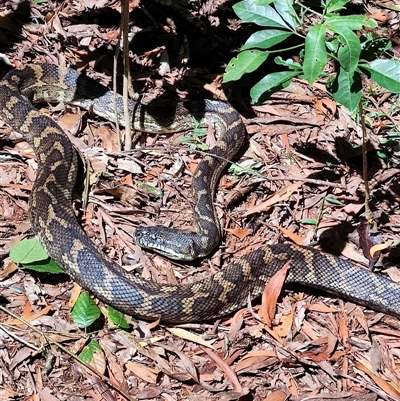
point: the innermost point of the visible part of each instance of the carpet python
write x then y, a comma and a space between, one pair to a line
54, 222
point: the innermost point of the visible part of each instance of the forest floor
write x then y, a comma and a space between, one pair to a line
297, 179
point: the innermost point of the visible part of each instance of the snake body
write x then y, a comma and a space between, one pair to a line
54, 222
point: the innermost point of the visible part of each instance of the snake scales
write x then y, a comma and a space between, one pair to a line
54, 222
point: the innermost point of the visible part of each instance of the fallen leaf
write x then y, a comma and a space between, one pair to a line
279, 196
271, 293
147, 374
187, 335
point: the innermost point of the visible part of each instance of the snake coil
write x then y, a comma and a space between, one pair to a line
54, 222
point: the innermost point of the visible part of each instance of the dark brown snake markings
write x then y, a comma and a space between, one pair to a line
54, 221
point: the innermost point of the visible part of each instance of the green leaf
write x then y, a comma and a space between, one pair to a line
85, 311
334, 5
346, 89
117, 318
28, 251
286, 11
333, 200
349, 53
382, 155
385, 72
266, 39
47, 266
153, 190
271, 83
353, 22
245, 62
264, 2
371, 45
250, 11
332, 45
293, 65
315, 56
309, 221
88, 352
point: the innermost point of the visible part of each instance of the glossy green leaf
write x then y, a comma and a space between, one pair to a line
346, 89
45, 266
315, 57
85, 311
271, 83
28, 251
385, 72
88, 352
286, 11
117, 318
349, 52
309, 221
245, 62
266, 39
353, 22
334, 5
334, 201
250, 11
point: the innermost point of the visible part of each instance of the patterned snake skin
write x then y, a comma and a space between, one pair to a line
54, 222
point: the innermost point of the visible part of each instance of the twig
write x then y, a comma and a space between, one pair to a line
19, 339
127, 73
368, 213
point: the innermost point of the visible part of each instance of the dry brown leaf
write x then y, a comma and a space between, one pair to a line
255, 147
330, 104
277, 396
76, 290
238, 232
359, 314
147, 374
260, 352
45, 394
393, 273
286, 323
187, 335
285, 141
71, 122
265, 108
271, 293
22, 355
389, 387
8, 270
297, 239
253, 364
29, 317
98, 361
279, 196
381, 17
109, 139
323, 355
310, 331
343, 330
226, 369
378, 248
321, 308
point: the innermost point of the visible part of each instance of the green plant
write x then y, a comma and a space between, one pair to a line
30, 254
195, 139
331, 37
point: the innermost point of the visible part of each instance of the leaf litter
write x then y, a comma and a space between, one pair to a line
298, 345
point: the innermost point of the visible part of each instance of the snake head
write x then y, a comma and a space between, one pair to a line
172, 243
